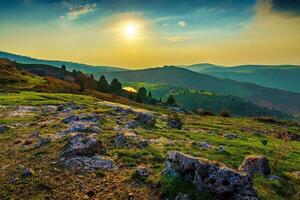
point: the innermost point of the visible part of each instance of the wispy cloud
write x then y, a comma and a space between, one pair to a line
182, 23
75, 12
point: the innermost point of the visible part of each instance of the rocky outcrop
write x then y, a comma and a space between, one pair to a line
255, 164
83, 153
210, 176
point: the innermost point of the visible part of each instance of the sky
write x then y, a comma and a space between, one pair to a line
140, 34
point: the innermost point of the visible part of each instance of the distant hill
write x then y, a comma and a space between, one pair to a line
69, 65
285, 77
284, 101
191, 99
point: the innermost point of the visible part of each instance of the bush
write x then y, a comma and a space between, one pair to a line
225, 113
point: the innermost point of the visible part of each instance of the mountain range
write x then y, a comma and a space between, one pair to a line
285, 77
285, 101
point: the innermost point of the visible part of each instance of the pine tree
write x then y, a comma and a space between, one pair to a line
141, 95
171, 100
63, 67
116, 86
102, 85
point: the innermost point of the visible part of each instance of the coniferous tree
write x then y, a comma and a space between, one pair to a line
63, 67
102, 85
141, 95
116, 86
171, 101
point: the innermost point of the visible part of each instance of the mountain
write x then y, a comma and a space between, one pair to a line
69, 65
285, 101
285, 77
191, 99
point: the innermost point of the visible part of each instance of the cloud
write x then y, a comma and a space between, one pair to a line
288, 8
75, 12
182, 23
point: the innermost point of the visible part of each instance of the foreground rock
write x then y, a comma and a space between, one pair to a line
83, 153
210, 176
175, 124
254, 164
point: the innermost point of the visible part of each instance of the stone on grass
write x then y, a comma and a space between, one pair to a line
121, 141
3, 128
213, 177
175, 124
143, 144
221, 148
231, 136
27, 173
82, 145
142, 171
255, 164
131, 124
205, 145
83, 128
146, 118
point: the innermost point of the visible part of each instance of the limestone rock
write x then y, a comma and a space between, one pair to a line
210, 176
81, 145
255, 164
175, 124
121, 141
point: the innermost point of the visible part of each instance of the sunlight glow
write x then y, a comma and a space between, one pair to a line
130, 30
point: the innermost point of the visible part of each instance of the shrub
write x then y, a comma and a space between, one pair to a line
225, 113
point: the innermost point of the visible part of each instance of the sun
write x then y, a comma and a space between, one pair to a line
130, 30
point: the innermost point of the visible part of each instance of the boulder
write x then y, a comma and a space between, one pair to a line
70, 119
3, 128
175, 124
146, 118
210, 176
121, 141
205, 145
82, 145
131, 124
88, 163
82, 153
255, 164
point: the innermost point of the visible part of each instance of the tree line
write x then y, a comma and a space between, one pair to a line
115, 87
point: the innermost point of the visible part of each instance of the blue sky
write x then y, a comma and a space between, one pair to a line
203, 28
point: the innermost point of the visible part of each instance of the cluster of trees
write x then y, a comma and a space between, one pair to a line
115, 87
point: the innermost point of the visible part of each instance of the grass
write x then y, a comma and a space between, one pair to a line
53, 181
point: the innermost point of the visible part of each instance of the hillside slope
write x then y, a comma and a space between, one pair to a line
285, 77
191, 99
69, 65
284, 101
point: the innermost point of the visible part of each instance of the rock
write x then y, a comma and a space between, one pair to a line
83, 128
273, 177
121, 141
69, 119
205, 145
255, 164
142, 171
131, 124
27, 173
210, 176
146, 118
175, 124
143, 144
81, 153
221, 148
182, 196
88, 164
67, 107
43, 141
231, 135
3, 128
82, 145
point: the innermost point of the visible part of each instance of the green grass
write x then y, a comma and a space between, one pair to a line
196, 129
